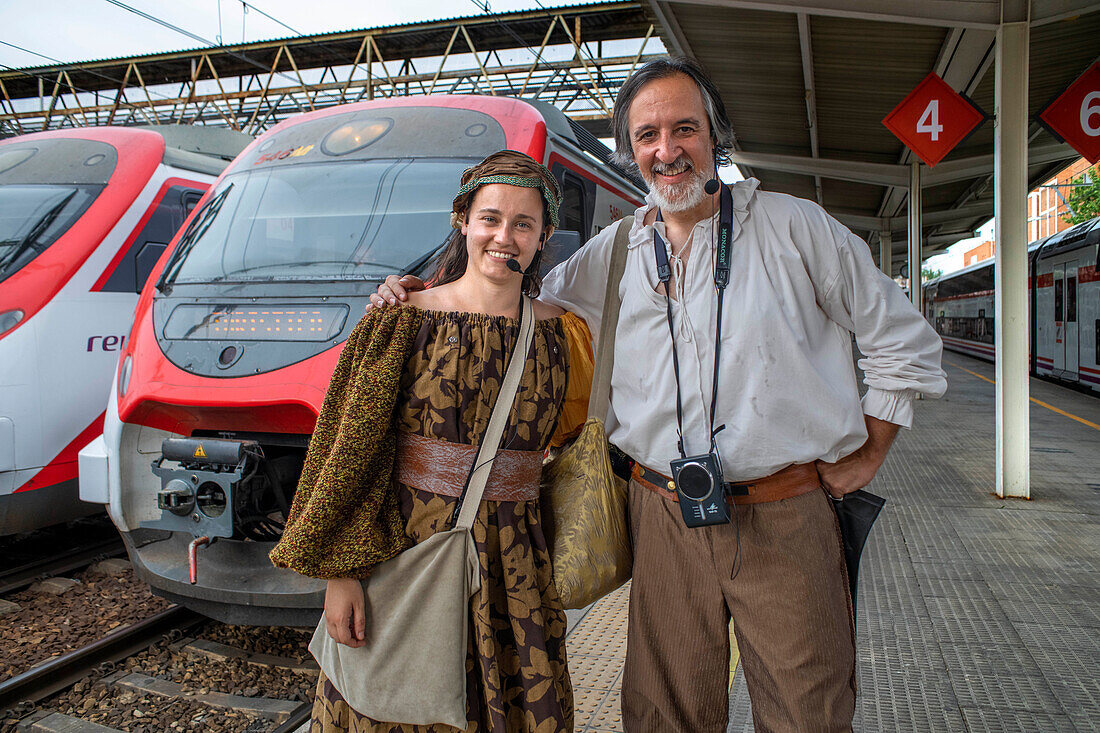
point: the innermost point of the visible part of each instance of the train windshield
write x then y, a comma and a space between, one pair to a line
351, 220
32, 217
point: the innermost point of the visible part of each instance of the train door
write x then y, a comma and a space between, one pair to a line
1066, 356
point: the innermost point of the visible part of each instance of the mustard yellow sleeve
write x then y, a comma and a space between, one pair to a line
345, 517
574, 409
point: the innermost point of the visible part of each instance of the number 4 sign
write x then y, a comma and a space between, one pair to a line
1075, 115
933, 119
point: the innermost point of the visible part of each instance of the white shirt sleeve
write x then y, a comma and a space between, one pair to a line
578, 284
902, 350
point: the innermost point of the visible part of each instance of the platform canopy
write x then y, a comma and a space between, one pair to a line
807, 83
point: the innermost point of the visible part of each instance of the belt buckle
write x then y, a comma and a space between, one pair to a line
740, 489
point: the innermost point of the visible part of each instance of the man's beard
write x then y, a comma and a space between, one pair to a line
673, 198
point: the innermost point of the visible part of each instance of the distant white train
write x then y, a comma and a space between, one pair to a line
84, 216
1064, 292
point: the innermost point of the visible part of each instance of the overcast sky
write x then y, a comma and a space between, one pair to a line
82, 30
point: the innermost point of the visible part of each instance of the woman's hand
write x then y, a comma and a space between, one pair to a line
345, 612
395, 289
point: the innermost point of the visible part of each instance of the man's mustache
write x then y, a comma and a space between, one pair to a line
671, 169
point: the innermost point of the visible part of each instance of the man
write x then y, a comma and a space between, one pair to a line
800, 285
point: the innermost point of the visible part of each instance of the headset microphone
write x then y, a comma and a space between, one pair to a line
513, 265
712, 186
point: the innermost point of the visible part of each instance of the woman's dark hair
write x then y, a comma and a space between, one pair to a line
451, 262
720, 129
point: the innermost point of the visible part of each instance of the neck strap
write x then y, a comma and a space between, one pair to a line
723, 248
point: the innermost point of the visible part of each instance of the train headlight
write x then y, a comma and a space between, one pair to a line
355, 136
9, 319
192, 322
124, 375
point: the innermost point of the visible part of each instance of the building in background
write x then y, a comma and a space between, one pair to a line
983, 251
1046, 205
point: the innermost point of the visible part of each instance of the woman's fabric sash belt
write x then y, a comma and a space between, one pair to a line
790, 482
441, 467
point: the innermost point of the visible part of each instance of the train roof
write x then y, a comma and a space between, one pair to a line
194, 148
1082, 235
521, 113
1085, 234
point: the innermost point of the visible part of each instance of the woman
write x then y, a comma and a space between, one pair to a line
411, 381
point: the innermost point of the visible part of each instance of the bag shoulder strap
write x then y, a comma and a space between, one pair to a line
486, 452
599, 399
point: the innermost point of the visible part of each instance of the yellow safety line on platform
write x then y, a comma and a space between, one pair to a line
1052, 408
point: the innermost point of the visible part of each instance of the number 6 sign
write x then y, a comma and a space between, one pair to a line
933, 119
1074, 116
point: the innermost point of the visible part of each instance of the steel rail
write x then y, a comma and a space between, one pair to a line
297, 719
60, 672
22, 576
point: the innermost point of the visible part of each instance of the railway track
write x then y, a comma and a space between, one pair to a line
60, 672
70, 559
152, 673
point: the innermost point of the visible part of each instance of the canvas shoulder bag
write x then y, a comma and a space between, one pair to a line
412, 668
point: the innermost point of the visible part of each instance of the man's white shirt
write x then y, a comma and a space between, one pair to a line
800, 284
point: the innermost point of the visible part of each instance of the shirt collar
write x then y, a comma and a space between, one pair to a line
742, 192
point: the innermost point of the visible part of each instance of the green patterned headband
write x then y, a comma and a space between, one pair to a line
550, 196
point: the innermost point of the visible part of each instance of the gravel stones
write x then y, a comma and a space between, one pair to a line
47, 625
7, 607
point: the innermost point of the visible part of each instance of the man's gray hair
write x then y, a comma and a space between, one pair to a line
720, 129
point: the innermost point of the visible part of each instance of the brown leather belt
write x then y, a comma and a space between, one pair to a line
441, 467
791, 481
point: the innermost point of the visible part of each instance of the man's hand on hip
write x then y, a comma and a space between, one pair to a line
395, 289
854, 471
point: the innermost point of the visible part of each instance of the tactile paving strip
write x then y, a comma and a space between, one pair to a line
596, 649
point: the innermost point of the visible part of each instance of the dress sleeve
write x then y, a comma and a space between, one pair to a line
574, 409
345, 518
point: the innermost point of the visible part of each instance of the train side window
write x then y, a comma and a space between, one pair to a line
1058, 299
131, 271
571, 212
1096, 341
1071, 298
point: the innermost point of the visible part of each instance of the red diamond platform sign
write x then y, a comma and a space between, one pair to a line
933, 119
1075, 115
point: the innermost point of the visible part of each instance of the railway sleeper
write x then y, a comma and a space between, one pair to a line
260, 707
49, 722
218, 652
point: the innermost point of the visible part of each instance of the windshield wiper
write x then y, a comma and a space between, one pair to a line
31, 240
291, 267
198, 227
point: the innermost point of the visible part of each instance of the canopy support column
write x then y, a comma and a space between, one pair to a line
1010, 270
885, 251
915, 236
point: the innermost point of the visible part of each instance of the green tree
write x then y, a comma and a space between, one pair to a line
1084, 200
927, 274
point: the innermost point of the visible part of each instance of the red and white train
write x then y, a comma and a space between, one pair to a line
84, 216
238, 330
1064, 292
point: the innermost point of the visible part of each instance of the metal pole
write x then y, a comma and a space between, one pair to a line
886, 252
1010, 268
914, 236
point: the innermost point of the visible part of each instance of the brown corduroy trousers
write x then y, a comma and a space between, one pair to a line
790, 606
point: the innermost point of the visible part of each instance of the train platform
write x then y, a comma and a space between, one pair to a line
973, 613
